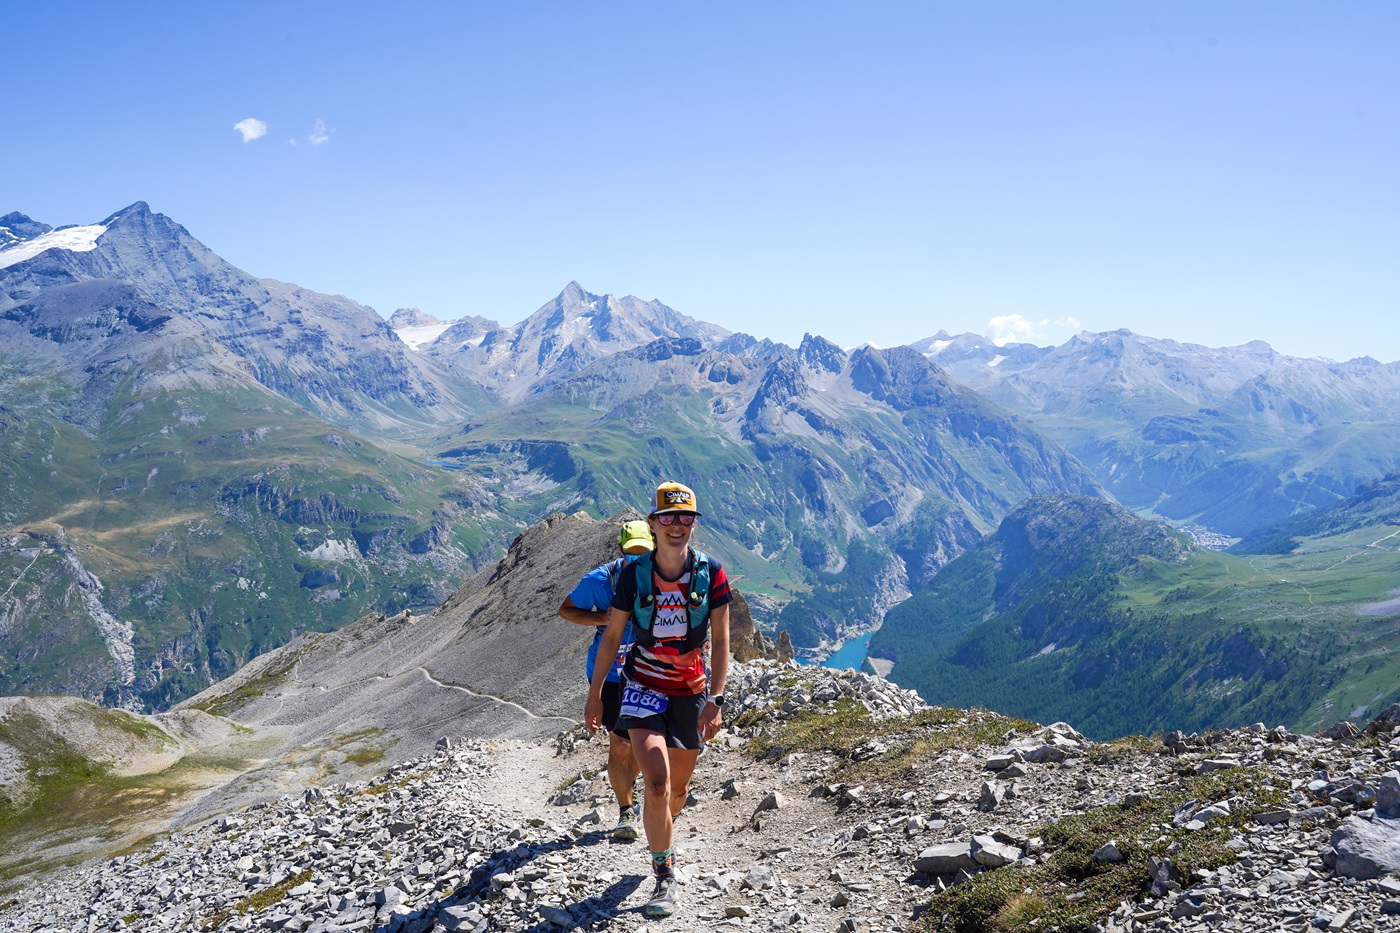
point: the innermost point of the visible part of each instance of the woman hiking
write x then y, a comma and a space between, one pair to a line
677, 598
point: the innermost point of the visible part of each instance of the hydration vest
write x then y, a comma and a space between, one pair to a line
697, 599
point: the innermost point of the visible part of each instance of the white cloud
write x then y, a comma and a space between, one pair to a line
320, 133
1008, 327
251, 129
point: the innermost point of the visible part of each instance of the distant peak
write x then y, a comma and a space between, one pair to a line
139, 209
820, 353
16, 227
574, 295
412, 317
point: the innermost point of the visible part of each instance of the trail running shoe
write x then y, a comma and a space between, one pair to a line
663, 899
626, 829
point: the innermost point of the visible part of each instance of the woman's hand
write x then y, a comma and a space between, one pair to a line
593, 713
711, 721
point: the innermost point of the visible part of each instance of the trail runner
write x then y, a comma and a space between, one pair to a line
676, 599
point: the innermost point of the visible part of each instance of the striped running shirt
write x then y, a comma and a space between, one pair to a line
665, 666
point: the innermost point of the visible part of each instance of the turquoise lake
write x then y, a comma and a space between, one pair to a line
851, 653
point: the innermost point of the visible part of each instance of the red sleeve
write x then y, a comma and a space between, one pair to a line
720, 594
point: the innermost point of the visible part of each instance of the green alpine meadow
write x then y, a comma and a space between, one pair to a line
1077, 610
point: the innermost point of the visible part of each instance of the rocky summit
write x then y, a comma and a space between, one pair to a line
832, 801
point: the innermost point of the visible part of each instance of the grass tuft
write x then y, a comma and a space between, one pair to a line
1070, 892
587, 774
1106, 753
845, 724
260, 900
365, 756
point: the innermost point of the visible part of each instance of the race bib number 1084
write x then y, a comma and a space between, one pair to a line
639, 702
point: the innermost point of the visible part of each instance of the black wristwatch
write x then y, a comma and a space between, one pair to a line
717, 699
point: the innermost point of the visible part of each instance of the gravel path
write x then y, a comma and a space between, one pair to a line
516, 835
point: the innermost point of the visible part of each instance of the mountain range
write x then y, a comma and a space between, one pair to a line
200, 465
558, 340
1230, 440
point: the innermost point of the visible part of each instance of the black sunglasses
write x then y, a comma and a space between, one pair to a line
671, 518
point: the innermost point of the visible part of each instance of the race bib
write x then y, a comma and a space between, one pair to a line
621, 656
639, 702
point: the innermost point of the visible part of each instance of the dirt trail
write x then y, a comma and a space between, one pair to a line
717, 842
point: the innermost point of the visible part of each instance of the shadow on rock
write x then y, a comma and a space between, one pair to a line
605, 906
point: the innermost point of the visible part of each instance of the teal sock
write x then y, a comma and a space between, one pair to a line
662, 863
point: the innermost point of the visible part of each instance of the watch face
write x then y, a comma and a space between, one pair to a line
718, 700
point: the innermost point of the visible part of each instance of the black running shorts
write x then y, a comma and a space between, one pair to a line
679, 722
612, 702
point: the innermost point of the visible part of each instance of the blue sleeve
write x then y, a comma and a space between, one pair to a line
593, 592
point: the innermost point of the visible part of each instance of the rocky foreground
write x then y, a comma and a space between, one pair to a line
835, 801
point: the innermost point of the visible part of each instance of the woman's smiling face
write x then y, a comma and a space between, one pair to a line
674, 535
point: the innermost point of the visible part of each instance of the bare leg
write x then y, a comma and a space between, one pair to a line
682, 767
622, 768
650, 749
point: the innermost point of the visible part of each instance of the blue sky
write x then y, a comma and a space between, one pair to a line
1209, 172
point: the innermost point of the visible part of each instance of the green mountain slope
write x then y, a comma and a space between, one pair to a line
1075, 609
1230, 473
1374, 504
192, 469
809, 463
184, 532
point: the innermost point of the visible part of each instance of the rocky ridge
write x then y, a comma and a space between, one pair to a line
514, 835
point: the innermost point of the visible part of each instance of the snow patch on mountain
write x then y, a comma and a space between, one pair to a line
73, 239
422, 334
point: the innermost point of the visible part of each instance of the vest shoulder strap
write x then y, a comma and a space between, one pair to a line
699, 576
644, 603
